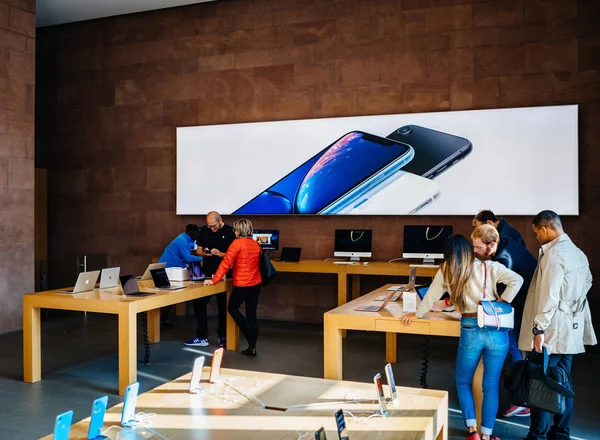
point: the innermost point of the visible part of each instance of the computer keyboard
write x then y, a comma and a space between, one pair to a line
345, 262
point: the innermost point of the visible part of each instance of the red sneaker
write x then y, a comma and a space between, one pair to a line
514, 410
473, 436
525, 412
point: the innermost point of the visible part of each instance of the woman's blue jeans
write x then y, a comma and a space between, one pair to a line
474, 344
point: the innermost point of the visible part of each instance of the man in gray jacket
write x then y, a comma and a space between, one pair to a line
556, 313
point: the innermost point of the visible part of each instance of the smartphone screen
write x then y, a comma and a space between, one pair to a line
434, 151
62, 426
391, 382
351, 165
128, 414
216, 364
380, 395
341, 425
97, 417
196, 374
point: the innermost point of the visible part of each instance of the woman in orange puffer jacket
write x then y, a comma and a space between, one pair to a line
243, 254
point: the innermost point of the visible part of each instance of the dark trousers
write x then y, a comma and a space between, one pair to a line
248, 325
540, 420
201, 316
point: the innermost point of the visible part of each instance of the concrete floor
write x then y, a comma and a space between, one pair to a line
79, 364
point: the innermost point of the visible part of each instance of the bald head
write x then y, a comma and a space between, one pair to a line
213, 221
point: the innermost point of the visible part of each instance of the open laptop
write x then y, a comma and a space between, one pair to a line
378, 308
161, 280
85, 281
109, 277
412, 277
147, 275
290, 254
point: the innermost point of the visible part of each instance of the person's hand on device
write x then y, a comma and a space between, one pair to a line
217, 252
408, 318
208, 282
440, 305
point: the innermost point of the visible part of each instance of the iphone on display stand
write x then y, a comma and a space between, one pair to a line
340, 423
128, 414
341, 175
435, 151
320, 434
391, 383
216, 365
196, 375
97, 419
380, 395
62, 426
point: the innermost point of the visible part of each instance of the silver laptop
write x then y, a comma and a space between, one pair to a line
109, 277
85, 281
152, 266
412, 278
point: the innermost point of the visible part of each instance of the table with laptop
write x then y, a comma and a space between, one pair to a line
213, 402
121, 295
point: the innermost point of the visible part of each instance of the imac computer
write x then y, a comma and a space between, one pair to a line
425, 242
267, 238
353, 243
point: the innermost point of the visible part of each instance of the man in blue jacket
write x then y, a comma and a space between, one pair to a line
179, 253
502, 226
488, 244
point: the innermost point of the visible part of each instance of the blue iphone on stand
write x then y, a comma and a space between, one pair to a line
97, 419
128, 414
62, 426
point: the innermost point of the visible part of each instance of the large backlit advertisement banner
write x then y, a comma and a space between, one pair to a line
514, 161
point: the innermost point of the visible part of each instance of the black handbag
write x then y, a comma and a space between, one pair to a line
534, 384
267, 270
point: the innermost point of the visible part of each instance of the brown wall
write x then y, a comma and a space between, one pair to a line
17, 79
112, 91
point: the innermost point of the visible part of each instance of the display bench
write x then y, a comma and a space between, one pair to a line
387, 321
112, 301
219, 411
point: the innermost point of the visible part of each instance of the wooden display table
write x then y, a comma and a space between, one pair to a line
215, 414
343, 318
112, 301
399, 268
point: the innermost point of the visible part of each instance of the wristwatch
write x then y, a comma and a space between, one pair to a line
536, 331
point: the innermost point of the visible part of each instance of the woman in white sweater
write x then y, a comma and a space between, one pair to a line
468, 281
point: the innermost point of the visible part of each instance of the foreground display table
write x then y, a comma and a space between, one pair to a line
343, 318
399, 268
219, 414
111, 301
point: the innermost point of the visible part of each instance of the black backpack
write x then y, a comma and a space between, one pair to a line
267, 271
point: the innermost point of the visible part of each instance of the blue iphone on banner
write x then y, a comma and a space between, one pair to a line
97, 419
357, 164
62, 426
128, 414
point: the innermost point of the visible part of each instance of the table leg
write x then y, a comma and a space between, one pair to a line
233, 332
478, 392
355, 286
332, 353
32, 344
342, 291
154, 325
391, 349
181, 309
127, 348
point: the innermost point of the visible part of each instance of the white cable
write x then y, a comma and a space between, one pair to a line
396, 259
363, 419
301, 435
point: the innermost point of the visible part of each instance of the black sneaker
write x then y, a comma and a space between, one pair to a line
249, 352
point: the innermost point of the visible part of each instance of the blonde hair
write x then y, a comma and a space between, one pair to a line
486, 233
243, 227
457, 268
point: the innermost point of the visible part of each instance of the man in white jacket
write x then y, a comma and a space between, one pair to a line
556, 313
